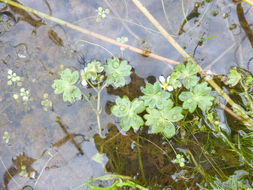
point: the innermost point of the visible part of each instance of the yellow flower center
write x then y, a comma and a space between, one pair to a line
165, 85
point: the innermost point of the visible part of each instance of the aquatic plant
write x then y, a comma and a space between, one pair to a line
91, 71
118, 182
46, 103
161, 120
233, 77
188, 85
116, 71
158, 102
154, 96
186, 73
179, 160
6, 137
102, 13
95, 75
128, 112
165, 83
236, 181
199, 95
123, 40
66, 86
13, 78
23, 172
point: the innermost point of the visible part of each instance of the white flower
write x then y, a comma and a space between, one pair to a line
102, 13
165, 83
10, 72
84, 83
24, 94
83, 79
15, 96
25, 98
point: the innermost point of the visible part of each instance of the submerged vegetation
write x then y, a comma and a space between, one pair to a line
181, 130
179, 113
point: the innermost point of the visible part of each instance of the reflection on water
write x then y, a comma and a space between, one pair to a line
57, 148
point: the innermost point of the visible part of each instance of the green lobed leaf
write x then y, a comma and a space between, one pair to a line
92, 69
69, 76
127, 111
198, 96
187, 74
66, 85
174, 80
155, 96
161, 121
233, 77
116, 70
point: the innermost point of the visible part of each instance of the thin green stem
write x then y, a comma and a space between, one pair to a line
171, 145
183, 10
87, 99
235, 149
92, 85
198, 167
218, 170
140, 161
98, 111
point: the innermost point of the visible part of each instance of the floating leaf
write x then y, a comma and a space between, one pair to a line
91, 71
188, 74
174, 80
161, 121
155, 96
198, 96
66, 85
116, 70
127, 111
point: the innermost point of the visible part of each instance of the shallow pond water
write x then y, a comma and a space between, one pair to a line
58, 143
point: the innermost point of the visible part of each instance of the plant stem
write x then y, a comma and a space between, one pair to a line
140, 160
87, 99
198, 167
98, 111
92, 85
235, 149
239, 111
250, 2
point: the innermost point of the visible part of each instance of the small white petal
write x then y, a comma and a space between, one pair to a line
9, 82
25, 98
161, 79
9, 71
84, 83
168, 79
170, 88
15, 96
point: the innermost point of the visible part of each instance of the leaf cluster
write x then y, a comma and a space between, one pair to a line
116, 71
185, 74
66, 85
160, 112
